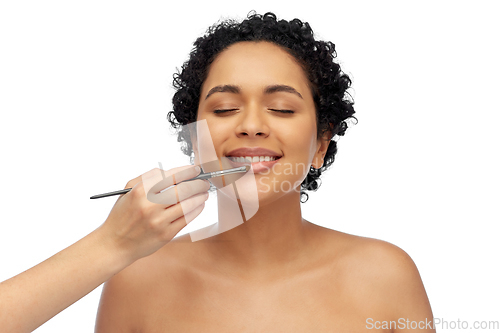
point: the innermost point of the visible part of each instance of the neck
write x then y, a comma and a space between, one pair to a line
273, 238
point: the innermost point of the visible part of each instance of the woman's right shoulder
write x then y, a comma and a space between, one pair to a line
127, 298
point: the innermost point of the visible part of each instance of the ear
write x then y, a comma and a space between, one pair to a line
321, 148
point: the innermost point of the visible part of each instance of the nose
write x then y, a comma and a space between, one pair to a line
253, 123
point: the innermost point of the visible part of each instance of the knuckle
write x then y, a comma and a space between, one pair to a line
146, 215
142, 209
129, 183
132, 183
153, 171
155, 224
137, 190
150, 174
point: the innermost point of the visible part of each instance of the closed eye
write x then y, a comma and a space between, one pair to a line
282, 111
275, 110
224, 110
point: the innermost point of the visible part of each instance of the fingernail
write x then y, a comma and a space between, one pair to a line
197, 169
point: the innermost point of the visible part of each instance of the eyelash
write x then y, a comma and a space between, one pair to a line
276, 110
224, 110
283, 111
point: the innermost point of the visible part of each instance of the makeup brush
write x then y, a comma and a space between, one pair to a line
207, 175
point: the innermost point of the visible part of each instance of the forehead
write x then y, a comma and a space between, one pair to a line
254, 64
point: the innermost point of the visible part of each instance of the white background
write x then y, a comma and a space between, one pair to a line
85, 88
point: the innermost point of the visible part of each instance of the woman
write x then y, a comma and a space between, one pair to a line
267, 90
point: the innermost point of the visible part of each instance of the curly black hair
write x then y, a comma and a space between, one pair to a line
328, 83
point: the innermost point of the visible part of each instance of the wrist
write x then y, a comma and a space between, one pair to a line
118, 257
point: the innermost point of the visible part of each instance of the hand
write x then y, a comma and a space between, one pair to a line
143, 220
135, 228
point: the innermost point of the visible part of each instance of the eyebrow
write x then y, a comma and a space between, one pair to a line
281, 87
225, 88
230, 88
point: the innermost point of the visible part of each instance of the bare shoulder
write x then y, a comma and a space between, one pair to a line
372, 255
380, 277
377, 258
128, 297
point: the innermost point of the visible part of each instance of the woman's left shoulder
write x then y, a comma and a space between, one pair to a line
382, 273
377, 259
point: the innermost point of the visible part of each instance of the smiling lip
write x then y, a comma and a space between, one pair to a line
256, 166
254, 151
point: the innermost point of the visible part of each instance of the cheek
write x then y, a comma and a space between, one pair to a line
218, 132
205, 143
301, 147
305, 141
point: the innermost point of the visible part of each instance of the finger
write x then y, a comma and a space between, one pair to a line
156, 173
179, 192
158, 180
184, 207
188, 189
184, 220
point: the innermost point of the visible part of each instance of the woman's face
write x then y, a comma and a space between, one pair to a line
257, 104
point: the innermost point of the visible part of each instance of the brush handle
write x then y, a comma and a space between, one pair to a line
202, 176
111, 193
220, 173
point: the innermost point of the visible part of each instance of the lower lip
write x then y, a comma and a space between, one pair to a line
257, 167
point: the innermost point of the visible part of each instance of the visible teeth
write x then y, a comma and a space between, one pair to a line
252, 159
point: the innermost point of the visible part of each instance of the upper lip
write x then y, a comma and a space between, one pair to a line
252, 151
